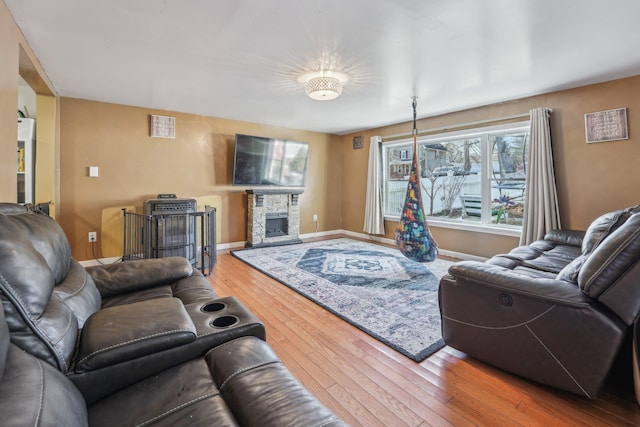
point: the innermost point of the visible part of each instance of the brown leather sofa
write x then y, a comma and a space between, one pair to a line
556, 311
142, 342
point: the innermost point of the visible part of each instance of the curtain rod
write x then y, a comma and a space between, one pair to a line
457, 126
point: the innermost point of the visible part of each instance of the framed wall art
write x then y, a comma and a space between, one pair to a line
357, 142
610, 125
163, 127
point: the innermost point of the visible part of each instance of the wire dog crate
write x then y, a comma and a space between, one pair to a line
165, 233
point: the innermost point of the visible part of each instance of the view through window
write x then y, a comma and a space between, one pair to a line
474, 176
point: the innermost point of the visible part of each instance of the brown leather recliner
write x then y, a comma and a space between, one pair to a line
239, 383
138, 317
139, 342
556, 311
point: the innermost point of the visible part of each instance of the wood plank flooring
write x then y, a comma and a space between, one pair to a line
368, 384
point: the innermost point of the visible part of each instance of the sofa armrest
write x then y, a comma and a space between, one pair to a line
117, 334
566, 237
556, 291
260, 390
128, 276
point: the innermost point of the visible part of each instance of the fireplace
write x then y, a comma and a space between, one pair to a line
273, 217
276, 224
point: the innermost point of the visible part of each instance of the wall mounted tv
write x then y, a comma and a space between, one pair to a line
269, 161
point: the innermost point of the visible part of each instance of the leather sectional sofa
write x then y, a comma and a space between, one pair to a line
556, 311
143, 342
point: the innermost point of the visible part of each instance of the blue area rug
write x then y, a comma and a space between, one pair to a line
373, 287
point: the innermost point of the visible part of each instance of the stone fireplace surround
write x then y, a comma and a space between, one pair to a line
278, 201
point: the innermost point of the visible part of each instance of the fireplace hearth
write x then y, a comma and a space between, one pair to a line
273, 217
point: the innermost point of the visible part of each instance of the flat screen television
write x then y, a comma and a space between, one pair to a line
269, 161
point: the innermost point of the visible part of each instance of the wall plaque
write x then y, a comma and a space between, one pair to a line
357, 142
163, 126
610, 125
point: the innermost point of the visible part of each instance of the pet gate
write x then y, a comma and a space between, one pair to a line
172, 228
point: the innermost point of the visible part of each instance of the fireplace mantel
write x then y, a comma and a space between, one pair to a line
275, 191
260, 203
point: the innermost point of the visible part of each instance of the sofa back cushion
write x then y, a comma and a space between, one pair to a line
604, 225
610, 273
4, 343
597, 232
79, 292
33, 393
35, 257
570, 271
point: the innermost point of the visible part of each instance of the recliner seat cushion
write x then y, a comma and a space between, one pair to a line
118, 334
241, 382
542, 258
182, 395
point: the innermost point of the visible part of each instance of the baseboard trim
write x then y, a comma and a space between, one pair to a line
453, 254
235, 245
92, 262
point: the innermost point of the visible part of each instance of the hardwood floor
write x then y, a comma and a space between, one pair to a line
368, 384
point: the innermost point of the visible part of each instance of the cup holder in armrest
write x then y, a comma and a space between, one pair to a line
214, 306
225, 321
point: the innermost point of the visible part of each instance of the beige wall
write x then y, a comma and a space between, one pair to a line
48, 155
9, 48
592, 178
595, 178
134, 167
18, 59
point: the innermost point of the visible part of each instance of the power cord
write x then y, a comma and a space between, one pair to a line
93, 252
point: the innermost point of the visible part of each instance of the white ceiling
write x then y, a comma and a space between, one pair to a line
240, 59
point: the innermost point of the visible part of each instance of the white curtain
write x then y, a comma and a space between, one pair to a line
541, 199
373, 215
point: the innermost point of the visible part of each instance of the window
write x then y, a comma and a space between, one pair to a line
470, 177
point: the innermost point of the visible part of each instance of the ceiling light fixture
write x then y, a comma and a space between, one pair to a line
323, 85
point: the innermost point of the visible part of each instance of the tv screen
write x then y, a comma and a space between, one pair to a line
269, 161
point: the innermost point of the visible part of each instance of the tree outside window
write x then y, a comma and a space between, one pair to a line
478, 177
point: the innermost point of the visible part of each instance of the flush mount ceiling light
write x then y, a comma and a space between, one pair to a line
323, 85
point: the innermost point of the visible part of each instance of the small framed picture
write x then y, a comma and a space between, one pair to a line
357, 142
163, 127
610, 125
404, 155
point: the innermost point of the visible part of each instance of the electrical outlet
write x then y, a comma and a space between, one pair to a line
315, 217
93, 236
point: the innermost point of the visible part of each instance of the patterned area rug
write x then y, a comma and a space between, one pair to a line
373, 287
